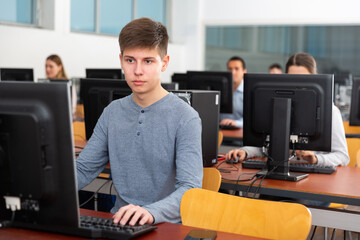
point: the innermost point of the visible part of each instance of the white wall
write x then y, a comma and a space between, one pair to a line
28, 47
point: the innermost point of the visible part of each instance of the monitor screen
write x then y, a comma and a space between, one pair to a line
181, 79
218, 81
279, 106
37, 158
355, 103
17, 74
96, 95
108, 73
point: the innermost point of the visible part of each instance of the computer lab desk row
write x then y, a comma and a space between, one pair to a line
343, 186
163, 231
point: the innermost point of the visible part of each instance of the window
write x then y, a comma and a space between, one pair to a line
110, 16
18, 11
335, 48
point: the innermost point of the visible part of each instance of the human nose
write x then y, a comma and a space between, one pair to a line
138, 69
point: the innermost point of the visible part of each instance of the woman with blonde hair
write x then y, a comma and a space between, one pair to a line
55, 70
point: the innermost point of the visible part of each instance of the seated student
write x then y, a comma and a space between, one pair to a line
151, 138
238, 67
275, 68
55, 70
303, 63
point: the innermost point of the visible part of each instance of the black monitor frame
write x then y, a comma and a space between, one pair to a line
17, 74
354, 119
96, 95
37, 156
279, 106
210, 80
107, 73
181, 79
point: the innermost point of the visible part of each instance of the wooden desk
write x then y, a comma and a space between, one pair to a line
233, 135
340, 187
164, 231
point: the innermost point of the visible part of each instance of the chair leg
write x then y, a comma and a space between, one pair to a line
333, 235
325, 233
313, 233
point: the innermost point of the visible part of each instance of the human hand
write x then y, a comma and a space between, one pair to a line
131, 214
308, 156
236, 152
228, 122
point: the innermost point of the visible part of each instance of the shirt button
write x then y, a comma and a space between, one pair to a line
138, 133
142, 111
140, 122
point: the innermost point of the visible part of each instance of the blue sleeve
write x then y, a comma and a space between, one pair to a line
189, 172
94, 157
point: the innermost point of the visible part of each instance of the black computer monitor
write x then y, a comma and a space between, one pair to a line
170, 86
279, 106
218, 81
96, 95
36, 156
354, 119
114, 73
181, 79
17, 74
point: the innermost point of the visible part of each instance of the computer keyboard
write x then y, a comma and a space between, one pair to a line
110, 230
294, 167
228, 127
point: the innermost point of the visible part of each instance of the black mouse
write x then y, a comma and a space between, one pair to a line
233, 160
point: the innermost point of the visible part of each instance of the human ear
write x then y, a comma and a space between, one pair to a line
165, 62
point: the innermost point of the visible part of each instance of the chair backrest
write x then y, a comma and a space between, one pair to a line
220, 138
211, 179
351, 129
259, 218
353, 145
79, 131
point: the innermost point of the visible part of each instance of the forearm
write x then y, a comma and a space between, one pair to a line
252, 152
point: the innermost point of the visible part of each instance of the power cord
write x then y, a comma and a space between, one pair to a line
97, 191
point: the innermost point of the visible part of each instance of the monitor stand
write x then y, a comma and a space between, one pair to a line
278, 161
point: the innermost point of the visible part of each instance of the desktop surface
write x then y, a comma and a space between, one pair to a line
333, 187
163, 231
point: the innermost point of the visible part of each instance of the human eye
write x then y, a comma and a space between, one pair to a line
130, 60
148, 61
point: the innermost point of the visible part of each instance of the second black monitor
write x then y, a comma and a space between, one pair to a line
354, 119
209, 80
109, 73
17, 74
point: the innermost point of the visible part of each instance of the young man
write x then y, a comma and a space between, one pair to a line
237, 66
151, 138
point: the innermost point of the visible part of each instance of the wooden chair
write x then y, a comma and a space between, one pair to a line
211, 179
253, 217
351, 129
79, 131
220, 138
353, 145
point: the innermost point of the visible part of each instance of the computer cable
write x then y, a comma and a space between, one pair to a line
12, 203
96, 192
227, 170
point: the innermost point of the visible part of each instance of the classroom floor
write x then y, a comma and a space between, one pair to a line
319, 234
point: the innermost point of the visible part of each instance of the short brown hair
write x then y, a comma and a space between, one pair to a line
237, 58
144, 33
302, 59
